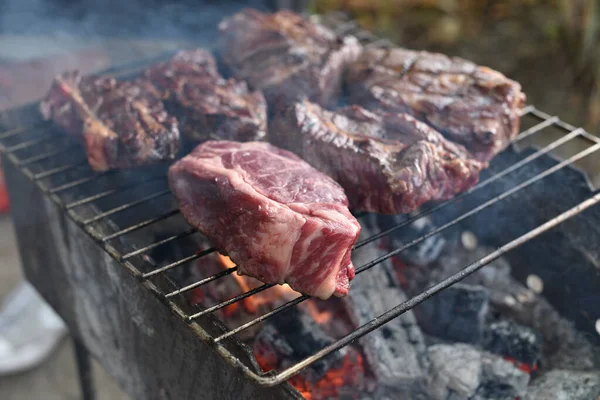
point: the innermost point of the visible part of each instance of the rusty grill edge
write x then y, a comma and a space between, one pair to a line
342, 26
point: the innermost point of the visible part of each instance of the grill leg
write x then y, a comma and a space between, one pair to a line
84, 368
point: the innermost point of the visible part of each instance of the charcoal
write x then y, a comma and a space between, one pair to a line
457, 313
460, 371
565, 385
395, 353
495, 276
294, 335
500, 380
563, 345
576, 353
421, 254
518, 342
454, 372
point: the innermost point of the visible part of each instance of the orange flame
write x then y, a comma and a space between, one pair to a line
269, 297
248, 305
321, 317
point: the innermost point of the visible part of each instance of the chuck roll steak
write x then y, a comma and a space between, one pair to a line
286, 56
205, 104
121, 123
388, 162
277, 218
472, 105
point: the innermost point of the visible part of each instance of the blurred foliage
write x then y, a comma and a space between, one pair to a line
527, 39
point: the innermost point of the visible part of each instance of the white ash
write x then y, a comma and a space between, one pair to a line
455, 371
535, 283
461, 371
565, 385
469, 240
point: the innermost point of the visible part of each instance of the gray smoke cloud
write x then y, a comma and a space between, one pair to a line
138, 18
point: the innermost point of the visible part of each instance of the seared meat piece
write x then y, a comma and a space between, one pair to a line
205, 104
185, 64
278, 219
472, 105
388, 163
122, 124
286, 56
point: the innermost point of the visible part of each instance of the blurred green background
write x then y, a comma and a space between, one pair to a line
551, 46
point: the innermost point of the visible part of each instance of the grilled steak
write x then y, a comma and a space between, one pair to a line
286, 56
122, 124
275, 216
472, 105
387, 163
205, 104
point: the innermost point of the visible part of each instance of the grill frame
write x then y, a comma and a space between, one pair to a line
172, 298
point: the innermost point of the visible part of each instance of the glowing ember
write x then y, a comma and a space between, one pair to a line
349, 374
400, 267
522, 366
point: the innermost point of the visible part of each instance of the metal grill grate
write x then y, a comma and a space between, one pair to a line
38, 150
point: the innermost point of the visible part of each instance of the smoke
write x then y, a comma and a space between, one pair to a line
42, 38
174, 19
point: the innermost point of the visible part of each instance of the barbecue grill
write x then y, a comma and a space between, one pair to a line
123, 305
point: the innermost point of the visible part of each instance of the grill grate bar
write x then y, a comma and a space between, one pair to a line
80, 182
503, 173
202, 282
185, 260
563, 125
381, 43
29, 143
23, 129
230, 301
535, 129
47, 155
103, 194
263, 317
409, 304
140, 225
157, 244
126, 206
58, 170
528, 109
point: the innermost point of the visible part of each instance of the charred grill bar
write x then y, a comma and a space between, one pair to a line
129, 216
